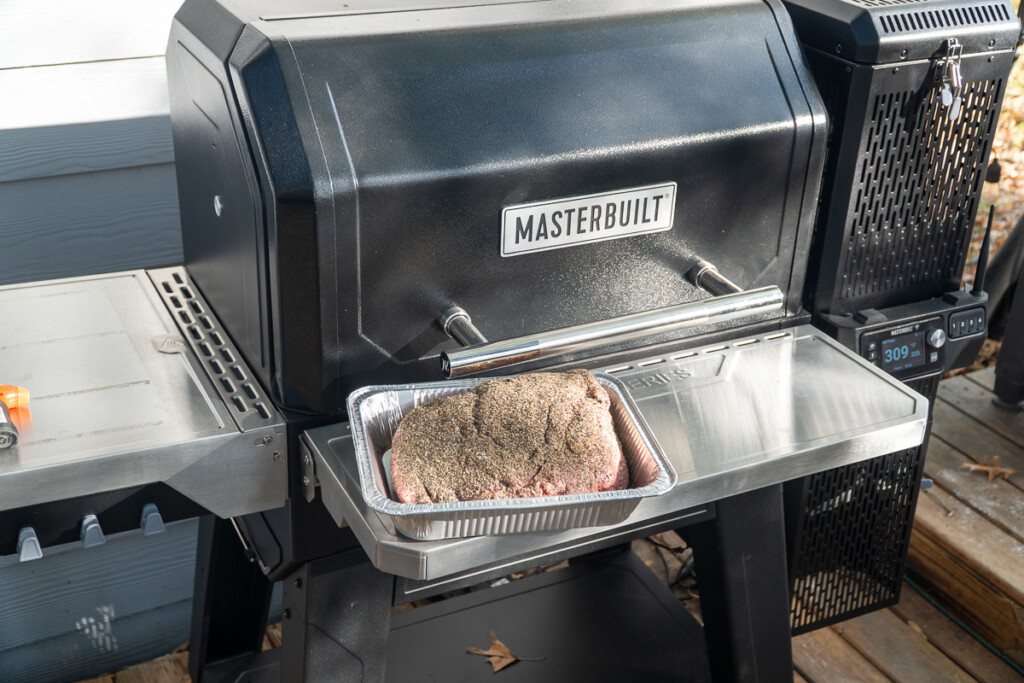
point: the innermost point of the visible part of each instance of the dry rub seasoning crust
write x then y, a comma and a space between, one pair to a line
540, 434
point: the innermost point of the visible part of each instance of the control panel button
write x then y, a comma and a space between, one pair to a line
936, 338
965, 323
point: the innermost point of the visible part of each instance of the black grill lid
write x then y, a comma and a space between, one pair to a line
383, 149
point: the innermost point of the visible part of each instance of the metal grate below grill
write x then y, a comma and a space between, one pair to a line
850, 537
916, 191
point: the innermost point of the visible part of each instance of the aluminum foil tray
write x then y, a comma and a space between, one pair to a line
376, 411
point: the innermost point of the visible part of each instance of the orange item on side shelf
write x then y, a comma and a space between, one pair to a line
22, 420
13, 397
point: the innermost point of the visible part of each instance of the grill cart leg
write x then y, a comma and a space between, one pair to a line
336, 620
229, 609
740, 559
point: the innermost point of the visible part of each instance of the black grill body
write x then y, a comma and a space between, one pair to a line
901, 189
343, 174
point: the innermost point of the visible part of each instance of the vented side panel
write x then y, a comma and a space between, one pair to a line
899, 33
916, 193
902, 181
853, 534
926, 20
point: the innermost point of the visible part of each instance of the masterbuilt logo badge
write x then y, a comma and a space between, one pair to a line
568, 222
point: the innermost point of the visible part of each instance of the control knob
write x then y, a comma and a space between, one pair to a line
936, 338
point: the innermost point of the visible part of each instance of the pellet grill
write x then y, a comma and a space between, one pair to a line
752, 216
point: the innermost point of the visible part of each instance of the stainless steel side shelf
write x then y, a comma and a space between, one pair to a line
731, 417
130, 387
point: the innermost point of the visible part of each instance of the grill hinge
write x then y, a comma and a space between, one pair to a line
948, 73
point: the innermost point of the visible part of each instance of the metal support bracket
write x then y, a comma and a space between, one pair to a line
308, 474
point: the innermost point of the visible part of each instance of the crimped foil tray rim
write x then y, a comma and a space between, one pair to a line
383, 504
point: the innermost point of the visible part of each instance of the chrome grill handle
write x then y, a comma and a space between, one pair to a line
482, 356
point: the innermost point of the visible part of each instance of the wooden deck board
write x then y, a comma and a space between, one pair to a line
970, 538
961, 431
901, 653
985, 378
968, 542
998, 501
954, 642
976, 401
823, 655
984, 608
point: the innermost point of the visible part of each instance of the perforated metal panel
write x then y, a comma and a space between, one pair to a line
917, 190
902, 183
849, 540
926, 19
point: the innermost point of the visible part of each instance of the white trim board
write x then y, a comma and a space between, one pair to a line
36, 33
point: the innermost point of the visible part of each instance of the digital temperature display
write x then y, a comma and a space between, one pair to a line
904, 351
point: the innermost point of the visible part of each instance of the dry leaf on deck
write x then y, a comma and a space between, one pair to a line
499, 655
993, 468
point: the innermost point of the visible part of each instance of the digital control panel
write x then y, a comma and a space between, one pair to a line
908, 349
903, 352
918, 339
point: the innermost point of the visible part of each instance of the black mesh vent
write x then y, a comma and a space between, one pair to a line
924, 20
916, 192
852, 534
854, 539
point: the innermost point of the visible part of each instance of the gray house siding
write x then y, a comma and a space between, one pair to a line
86, 164
79, 613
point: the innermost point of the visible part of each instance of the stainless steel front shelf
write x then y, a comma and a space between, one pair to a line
121, 396
731, 417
